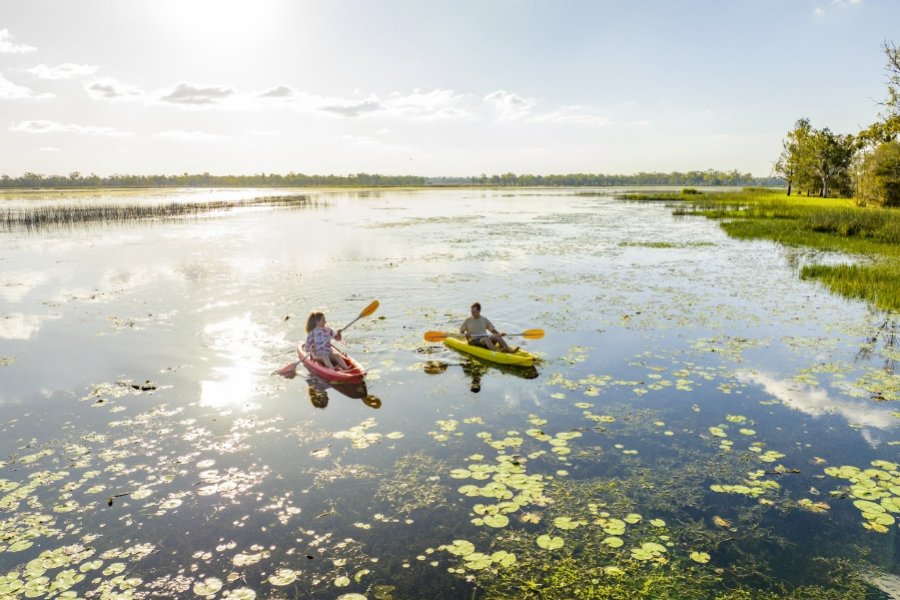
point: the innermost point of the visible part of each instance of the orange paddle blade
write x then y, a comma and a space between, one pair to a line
439, 336
369, 309
531, 334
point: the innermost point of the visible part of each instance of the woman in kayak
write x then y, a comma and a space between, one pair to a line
318, 342
476, 328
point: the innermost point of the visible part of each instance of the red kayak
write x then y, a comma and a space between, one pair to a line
356, 372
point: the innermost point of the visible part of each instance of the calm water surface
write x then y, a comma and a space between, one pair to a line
688, 424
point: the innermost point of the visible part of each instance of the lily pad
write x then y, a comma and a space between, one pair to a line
283, 577
700, 557
550, 543
496, 520
208, 586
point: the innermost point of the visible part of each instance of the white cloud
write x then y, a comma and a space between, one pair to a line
190, 136
510, 106
384, 131
63, 71
188, 94
350, 108
11, 91
571, 115
43, 126
107, 88
434, 105
280, 92
7, 46
431, 106
819, 11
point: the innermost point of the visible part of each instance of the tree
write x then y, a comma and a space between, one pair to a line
880, 180
791, 161
892, 103
828, 156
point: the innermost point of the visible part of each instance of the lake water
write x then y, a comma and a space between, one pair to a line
702, 421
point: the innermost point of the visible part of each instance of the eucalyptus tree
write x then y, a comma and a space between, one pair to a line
792, 162
829, 155
892, 103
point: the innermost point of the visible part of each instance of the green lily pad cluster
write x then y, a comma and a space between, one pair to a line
599, 418
18, 532
230, 483
769, 456
510, 485
754, 486
477, 561
877, 492
360, 439
18, 493
34, 579
650, 551
559, 444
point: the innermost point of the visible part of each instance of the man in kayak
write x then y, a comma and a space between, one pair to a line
476, 328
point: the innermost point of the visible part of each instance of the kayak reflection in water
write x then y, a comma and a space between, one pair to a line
476, 369
318, 392
476, 328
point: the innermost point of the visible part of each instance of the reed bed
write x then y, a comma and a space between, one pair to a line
878, 284
60, 215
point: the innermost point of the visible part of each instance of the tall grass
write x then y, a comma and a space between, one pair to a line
60, 215
877, 284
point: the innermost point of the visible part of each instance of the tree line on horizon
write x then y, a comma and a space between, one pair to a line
709, 177
864, 166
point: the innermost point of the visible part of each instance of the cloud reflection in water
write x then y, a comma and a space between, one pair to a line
816, 402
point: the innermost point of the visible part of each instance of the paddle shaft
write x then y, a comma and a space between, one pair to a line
365, 313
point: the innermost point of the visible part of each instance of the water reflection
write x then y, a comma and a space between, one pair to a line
319, 386
475, 369
15, 286
240, 341
816, 402
19, 326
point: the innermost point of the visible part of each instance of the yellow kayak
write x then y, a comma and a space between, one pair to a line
520, 358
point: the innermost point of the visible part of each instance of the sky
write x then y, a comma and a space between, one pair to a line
430, 88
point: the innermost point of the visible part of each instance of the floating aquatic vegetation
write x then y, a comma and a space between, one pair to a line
550, 543
877, 492
360, 439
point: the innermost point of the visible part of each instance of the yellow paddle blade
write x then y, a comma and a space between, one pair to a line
436, 336
533, 334
369, 309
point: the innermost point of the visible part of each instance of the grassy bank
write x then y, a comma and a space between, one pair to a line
831, 224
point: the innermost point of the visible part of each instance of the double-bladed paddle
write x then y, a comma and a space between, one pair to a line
440, 336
